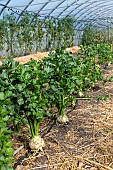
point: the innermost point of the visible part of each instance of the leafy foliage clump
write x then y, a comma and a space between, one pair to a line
61, 70
94, 35
35, 87
24, 85
32, 33
6, 150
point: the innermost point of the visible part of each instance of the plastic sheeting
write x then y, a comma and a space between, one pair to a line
97, 12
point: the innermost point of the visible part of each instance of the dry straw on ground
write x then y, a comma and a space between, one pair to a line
39, 55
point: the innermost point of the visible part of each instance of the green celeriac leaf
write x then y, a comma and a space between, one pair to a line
20, 101
2, 96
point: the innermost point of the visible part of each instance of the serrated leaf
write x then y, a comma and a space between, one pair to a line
20, 101
2, 96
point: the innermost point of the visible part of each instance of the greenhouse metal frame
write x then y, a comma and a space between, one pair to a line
86, 10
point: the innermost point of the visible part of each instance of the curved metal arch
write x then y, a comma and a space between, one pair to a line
95, 13
5, 6
99, 25
66, 9
85, 23
24, 10
95, 19
106, 18
56, 7
43, 7
86, 10
96, 27
89, 13
32, 12
92, 22
73, 9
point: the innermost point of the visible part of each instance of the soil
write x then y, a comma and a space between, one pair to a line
85, 143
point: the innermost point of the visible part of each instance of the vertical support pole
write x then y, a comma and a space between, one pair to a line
112, 47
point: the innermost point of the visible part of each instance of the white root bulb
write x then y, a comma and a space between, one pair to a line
80, 94
62, 119
109, 63
98, 65
37, 143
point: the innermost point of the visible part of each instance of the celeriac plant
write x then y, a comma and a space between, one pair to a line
61, 70
91, 71
25, 87
33, 99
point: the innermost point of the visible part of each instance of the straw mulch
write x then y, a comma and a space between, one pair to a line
40, 55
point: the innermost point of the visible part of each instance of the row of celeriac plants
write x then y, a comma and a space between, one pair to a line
28, 91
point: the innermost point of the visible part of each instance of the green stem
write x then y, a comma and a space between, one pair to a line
17, 127
61, 106
89, 98
31, 128
34, 126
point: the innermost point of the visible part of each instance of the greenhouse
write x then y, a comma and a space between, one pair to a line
56, 85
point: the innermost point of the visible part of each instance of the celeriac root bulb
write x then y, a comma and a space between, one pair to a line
80, 94
62, 119
37, 143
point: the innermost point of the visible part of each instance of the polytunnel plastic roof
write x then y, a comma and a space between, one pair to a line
98, 12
